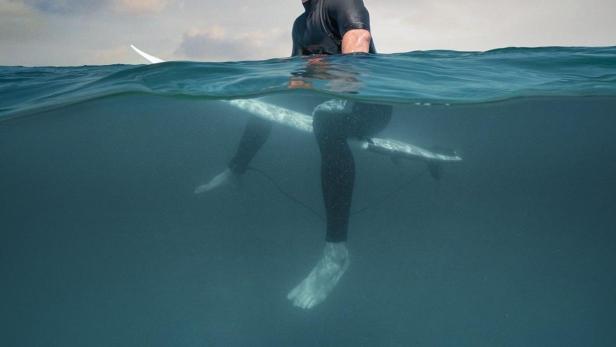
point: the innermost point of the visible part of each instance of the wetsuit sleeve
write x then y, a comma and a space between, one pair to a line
297, 50
346, 15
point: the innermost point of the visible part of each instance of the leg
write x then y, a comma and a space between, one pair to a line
337, 173
255, 135
332, 127
334, 122
337, 179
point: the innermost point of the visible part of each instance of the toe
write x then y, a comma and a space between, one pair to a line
307, 302
295, 291
292, 294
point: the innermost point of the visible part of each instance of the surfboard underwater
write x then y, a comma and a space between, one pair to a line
303, 122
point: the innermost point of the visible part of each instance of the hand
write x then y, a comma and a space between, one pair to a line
299, 84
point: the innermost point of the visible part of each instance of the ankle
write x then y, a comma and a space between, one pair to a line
336, 251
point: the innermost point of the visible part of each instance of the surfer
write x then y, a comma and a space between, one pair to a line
326, 27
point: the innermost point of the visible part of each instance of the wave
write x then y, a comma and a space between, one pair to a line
434, 77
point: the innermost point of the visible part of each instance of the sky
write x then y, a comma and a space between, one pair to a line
96, 32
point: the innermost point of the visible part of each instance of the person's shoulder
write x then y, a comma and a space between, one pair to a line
300, 19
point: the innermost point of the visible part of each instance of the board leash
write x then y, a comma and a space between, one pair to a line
386, 197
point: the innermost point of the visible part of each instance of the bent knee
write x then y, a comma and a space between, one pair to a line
326, 123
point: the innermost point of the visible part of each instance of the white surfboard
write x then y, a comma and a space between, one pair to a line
303, 122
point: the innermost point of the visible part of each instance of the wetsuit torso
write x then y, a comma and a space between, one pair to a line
319, 30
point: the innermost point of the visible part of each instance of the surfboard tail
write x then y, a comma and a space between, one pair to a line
435, 167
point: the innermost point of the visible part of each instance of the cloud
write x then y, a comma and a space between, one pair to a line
487, 24
61, 32
66, 6
13, 8
215, 43
113, 55
139, 6
18, 22
212, 43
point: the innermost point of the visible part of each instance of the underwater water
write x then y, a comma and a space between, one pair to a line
103, 242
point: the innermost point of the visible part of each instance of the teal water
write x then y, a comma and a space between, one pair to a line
441, 77
103, 243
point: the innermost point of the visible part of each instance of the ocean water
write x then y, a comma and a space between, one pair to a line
103, 242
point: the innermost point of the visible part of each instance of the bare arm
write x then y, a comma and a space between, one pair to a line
356, 40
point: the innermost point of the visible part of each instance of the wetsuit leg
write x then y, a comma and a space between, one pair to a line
337, 173
332, 127
255, 135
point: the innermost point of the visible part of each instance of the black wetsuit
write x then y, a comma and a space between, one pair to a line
319, 30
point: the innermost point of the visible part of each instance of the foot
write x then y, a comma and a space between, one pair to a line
219, 180
323, 278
